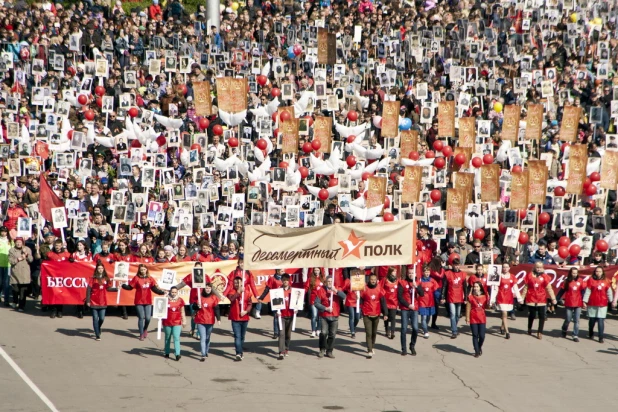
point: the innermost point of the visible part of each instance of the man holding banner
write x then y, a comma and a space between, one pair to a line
327, 300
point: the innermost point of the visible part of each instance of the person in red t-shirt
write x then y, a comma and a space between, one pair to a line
240, 306
187, 281
57, 254
426, 303
373, 303
407, 293
143, 283
326, 301
96, 297
536, 290
389, 286
596, 298
454, 291
206, 309
503, 297
173, 323
476, 318
572, 291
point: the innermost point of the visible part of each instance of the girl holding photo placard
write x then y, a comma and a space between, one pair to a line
206, 309
173, 323
96, 297
143, 283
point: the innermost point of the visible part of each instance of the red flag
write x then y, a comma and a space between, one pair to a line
47, 199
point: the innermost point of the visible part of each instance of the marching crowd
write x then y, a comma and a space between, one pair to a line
103, 123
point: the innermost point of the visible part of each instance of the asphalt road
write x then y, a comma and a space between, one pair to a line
120, 373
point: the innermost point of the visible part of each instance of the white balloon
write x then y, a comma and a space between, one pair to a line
376, 121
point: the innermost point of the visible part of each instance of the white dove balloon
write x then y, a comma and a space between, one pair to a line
420, 162
332, 191
300, 107
266, 69
172, 124
223, 165
503, 151
346, 131
364, 214
266, 111
25, 133
64, 130
232, 119
90, 135
367, 153
185, 157
259, 173
105, 141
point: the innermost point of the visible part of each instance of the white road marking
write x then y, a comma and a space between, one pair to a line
28, 381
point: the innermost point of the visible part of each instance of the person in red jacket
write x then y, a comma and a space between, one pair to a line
96, 297
173, 322
206, 309
188, 281
351, 299
57, 254
454, 292
248, 281
476, 317
287, 317
274, 282
503, 297
315, 281
596, 298
478, 276
240, 306
426, 303
104, 255
143, 255
182, 255
536, 290
407, 295
389, 286
13, 213
205, 254
143, 283
154, 10
372, 304
123, 254
572, 292
326, 301
81, 254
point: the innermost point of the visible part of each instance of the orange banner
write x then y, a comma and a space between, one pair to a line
578, 160
327, 47
570, 123
408, 142
519, 190
510, 126
412, 184
203, 102
446, 119
322, 130
534, 122
289, 139
376, 191
490, 183
537, 180
467, 151
232, 94
455, 208
467, 132
464, 182
390, 119
609, 170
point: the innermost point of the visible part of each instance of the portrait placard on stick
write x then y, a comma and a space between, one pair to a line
357, 280
203, 102
168, 279
519, 190
412, 184
376, 191
578, 160
609, 170
467, 132
455, 208
322, 130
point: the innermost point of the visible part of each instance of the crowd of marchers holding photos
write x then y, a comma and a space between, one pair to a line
156, 135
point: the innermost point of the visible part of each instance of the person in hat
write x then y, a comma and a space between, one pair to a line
20, 258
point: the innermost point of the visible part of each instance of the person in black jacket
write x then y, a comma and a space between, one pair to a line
407, 291
474, 257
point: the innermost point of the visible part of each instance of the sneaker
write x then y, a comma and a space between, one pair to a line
575, 339
60, 315
403, 353
178, 358
238, 358
53, 315
166, 356
601, 340
508, 335
330, 355
318, 333
281, 355
145, 334
258, 316
80, 315
413, 352
141, 337
454, 336
426, 335
276, 336
20, 310
286, 353
373, 351
313, 334
98, 339
476, 355
564, 334
369, 354
321, 354
512, 317
202, 359
125, 316
242, 356
354, 336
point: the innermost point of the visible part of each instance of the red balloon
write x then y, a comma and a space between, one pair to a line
71, 70
161, 140
307, 148
283, 165
203, 123
413, 155
388, 217
197, 147
574, 250
304, 172
476, 162
333, 181
479, 234
261, 79
452, 257
522, 214
133, 112
563, 252
276, 132
182, 88
70, 134
99, 102
502, 228
429, 154
135, 143
309, 120
602, 245
352, 115
233, 142
217, 129
488, 159
262, 144
544, 218
82, 99
439, 163
139, 101
587, 183
351, 160
564, 241
316, 144
591, 190
559, 191
99, 90
323, 194
350, 139
517, 169
274, 116
275, 92
435, 195
523, 238
285, 116
387, 202
297, 49
438, 145
89, 115
366, 175
447, 151
595, 176
592, 203
460, 159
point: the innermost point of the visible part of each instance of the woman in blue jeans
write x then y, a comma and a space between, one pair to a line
240, 306
206, 309
143, 284
96, 297
351, 300
408, 293
315, 282
572, 292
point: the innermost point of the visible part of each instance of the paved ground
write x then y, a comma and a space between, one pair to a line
122, 373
